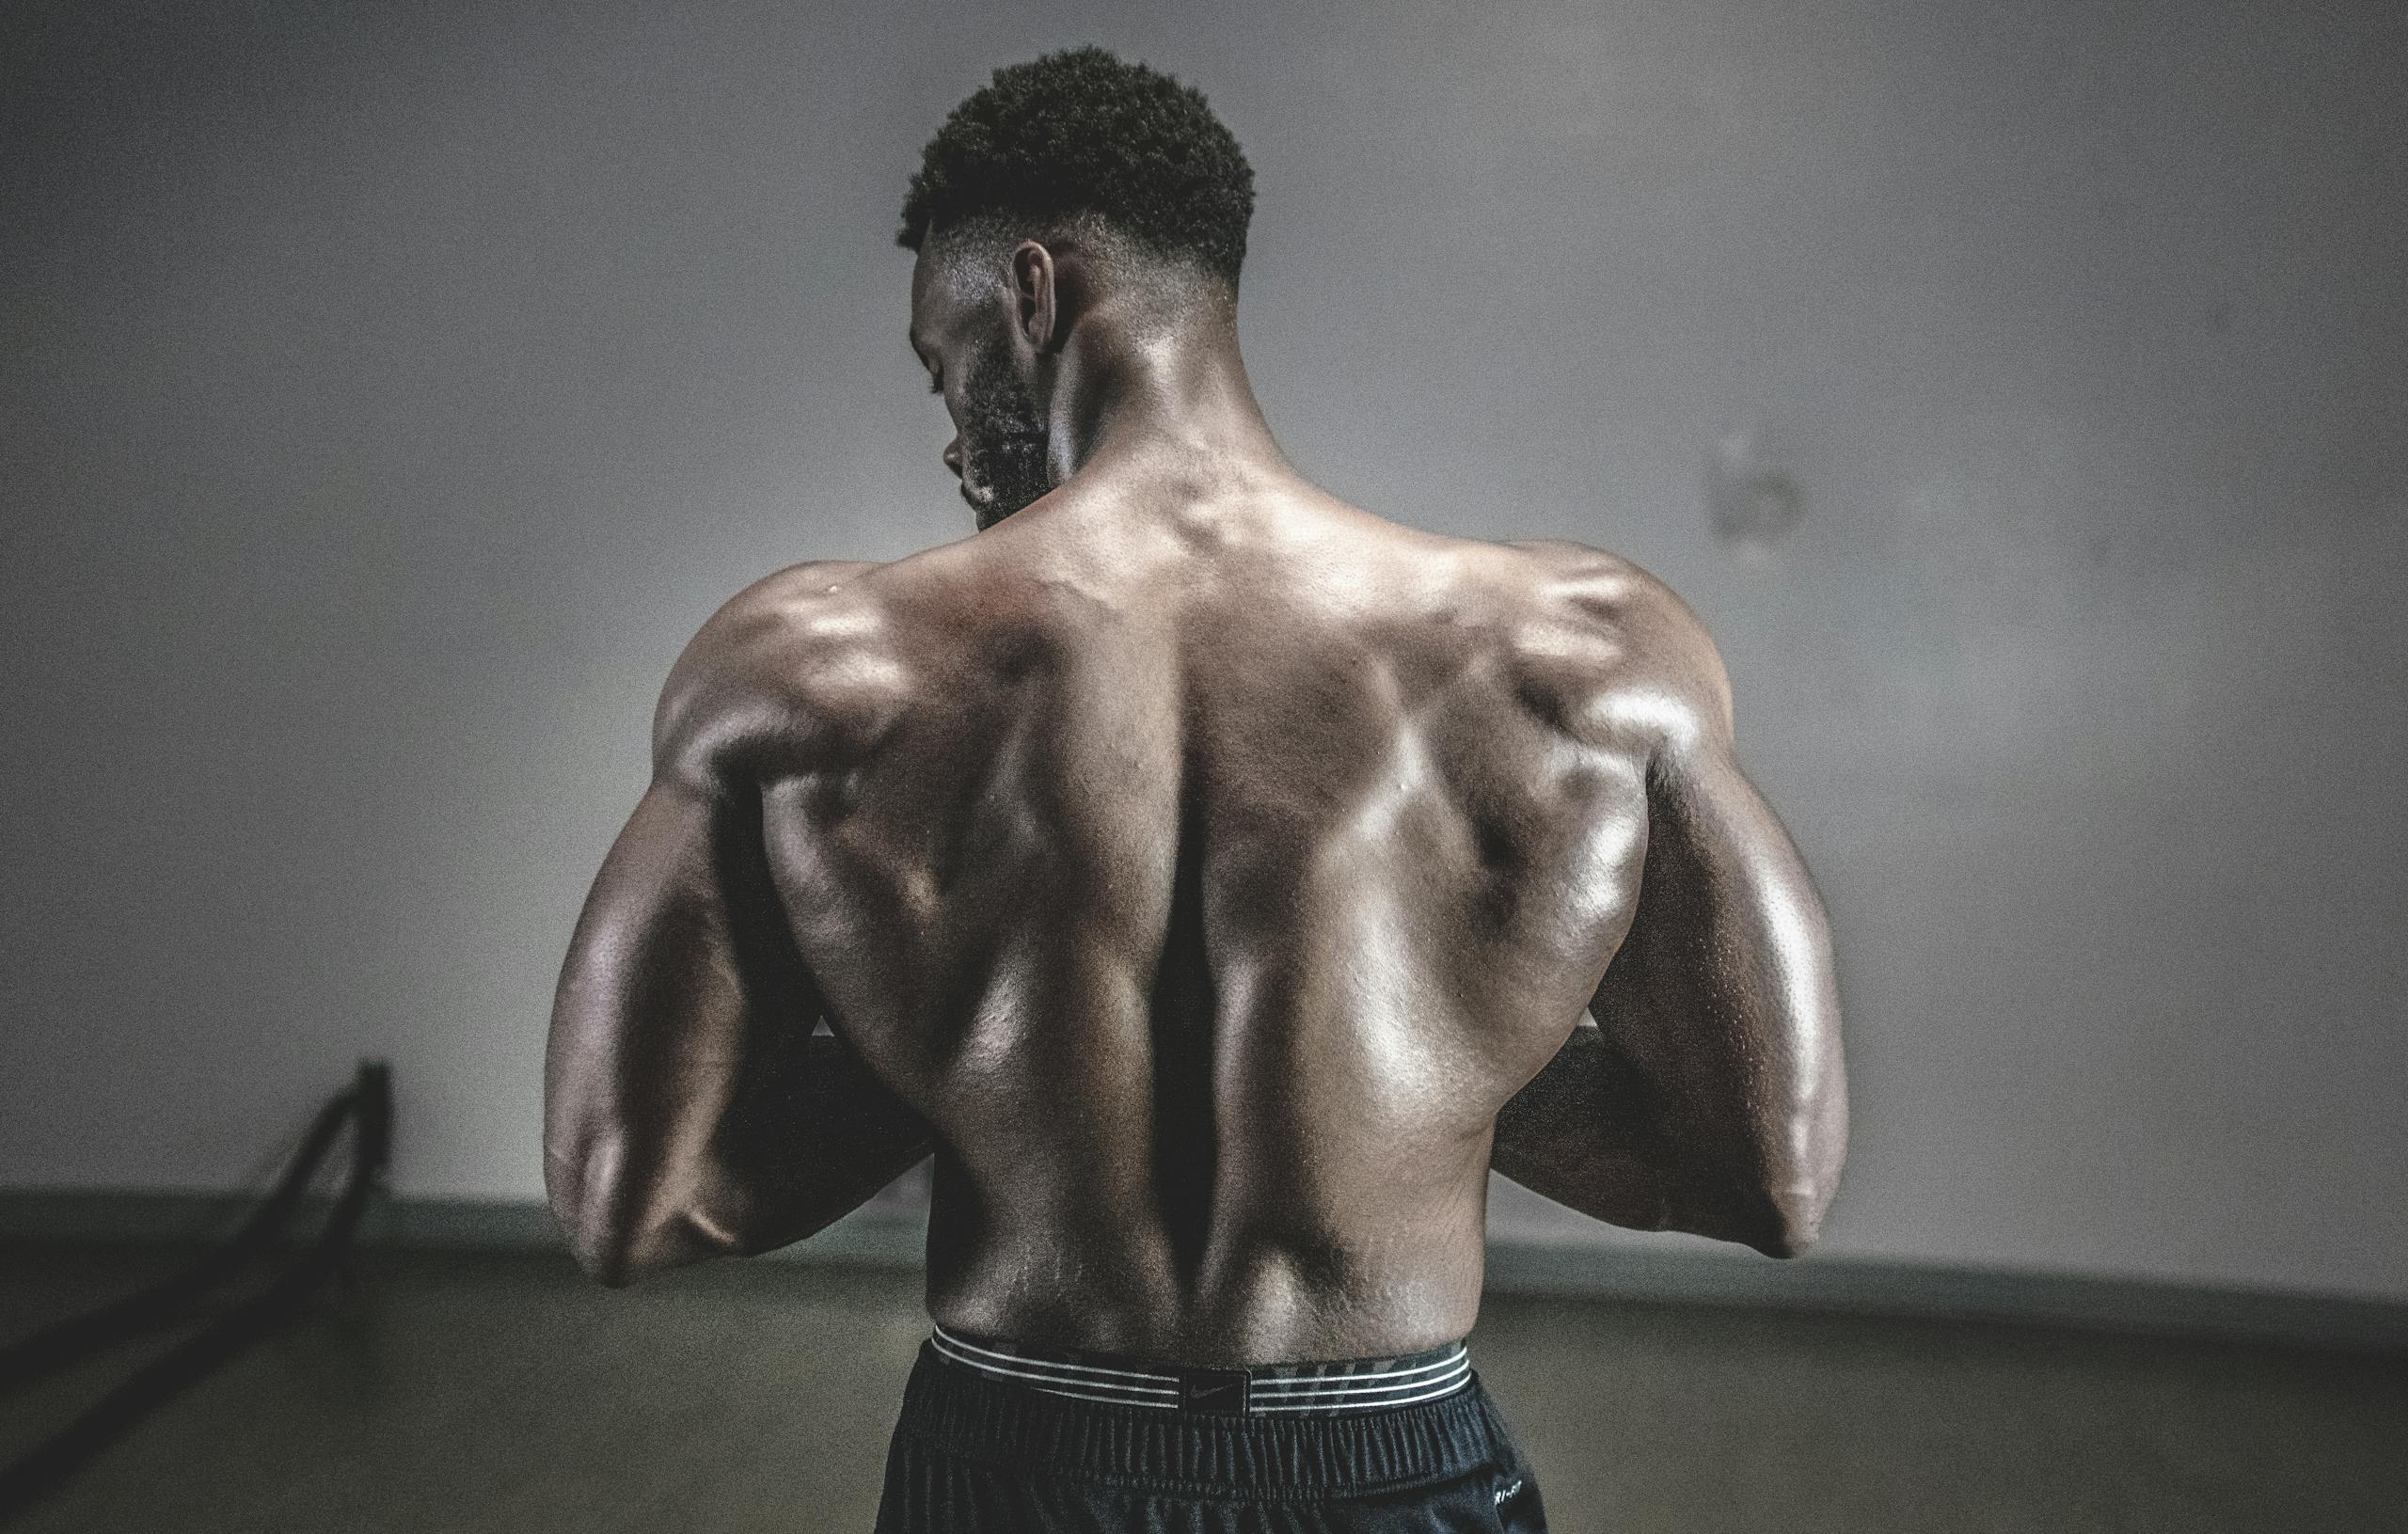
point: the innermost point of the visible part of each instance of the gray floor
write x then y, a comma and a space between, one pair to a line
473, 1393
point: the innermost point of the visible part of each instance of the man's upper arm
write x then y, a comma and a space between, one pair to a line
680, 973
1722, 995
675, 972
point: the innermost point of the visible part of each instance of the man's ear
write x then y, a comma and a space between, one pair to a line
1033, 311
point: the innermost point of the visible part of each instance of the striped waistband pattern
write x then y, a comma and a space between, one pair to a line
1355, 1384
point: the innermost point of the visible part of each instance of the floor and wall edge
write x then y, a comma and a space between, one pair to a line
883, 1238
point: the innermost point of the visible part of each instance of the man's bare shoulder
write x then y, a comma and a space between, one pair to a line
1617, 650
785, 675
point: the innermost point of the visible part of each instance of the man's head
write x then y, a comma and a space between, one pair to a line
1069, 181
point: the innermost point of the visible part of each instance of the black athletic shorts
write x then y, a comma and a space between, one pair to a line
997, 1435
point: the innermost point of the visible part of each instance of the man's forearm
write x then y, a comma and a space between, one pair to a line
1585, 1134
811, 1135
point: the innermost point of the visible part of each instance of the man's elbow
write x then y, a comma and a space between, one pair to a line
611, 1252
615, 1234
1787, 1217
1780, 1220
605, 1256
1790, 1207
1790, 1223
577, 1188
616, 1253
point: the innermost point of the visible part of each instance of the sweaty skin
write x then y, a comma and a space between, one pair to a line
1218, 879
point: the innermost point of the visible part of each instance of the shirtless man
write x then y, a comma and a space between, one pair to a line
1214, 875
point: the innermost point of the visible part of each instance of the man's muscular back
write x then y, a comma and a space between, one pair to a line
1206, 884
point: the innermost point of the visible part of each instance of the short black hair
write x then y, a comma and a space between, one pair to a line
1083, 131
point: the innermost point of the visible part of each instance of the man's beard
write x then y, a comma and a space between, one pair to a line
1003, 441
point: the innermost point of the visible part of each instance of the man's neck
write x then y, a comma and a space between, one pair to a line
1138, 403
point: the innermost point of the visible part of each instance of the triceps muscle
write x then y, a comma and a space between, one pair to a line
648, 1029
689, 1111
1724, 1000
681, 1025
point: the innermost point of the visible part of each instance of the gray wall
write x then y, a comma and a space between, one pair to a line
388, 395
